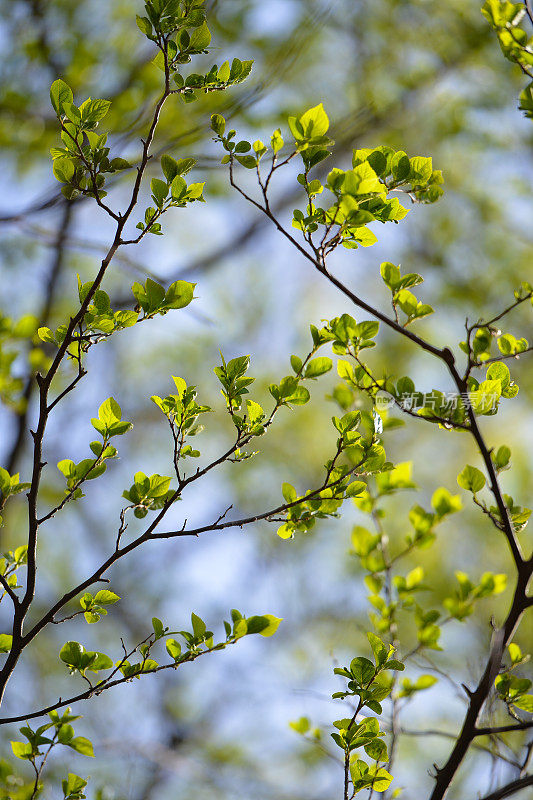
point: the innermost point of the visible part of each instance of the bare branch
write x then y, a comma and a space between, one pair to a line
510, 788
9, 590
518, 726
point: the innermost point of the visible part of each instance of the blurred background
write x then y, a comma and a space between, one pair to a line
423, 76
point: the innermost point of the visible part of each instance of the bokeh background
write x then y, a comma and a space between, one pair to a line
424, 76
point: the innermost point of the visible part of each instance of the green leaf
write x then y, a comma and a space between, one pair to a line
109, 412
525, 703
200, 38
276, 141
381, 780
256, 624
302, 725
159, 190
73, 787
445, 503
250, 162
363, 670
218, 123
420, 169
22, 750
178, 187
379, 649
286, 531
82, 745
144, 25
173, 648
106, 598
198, 625
502, 457
6, 642
169, 167
299, 397
471, 479
63, 169
179, 294
401, 166
71, 653
99, 662
272, 626
499, 371
46, 335
314, 122
318, 366
92, 111
60, 93
377, 750
289, 493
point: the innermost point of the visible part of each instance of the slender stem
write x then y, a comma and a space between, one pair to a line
501, 639
43, 314
9, 590
495, 359
150, 535
44, 383
443, 354
511, 307
107, 684
510, 788
520, 602
518, 726
39, 771
68, 497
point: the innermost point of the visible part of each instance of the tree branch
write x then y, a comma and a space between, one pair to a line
517, 726
501, 639
9, 591
510, 788
102, 687
58, 260
502, 636
443, 354
44, 383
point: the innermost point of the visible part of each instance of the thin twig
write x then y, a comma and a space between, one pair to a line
510, 788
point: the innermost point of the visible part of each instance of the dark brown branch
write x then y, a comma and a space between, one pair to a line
501, 358
510, 788
507, 310
449, 735
44, 383
150, 535
9, 590
502, 636
346, 134
477, 698
444, 354
58, 260
516, 726
99, 688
